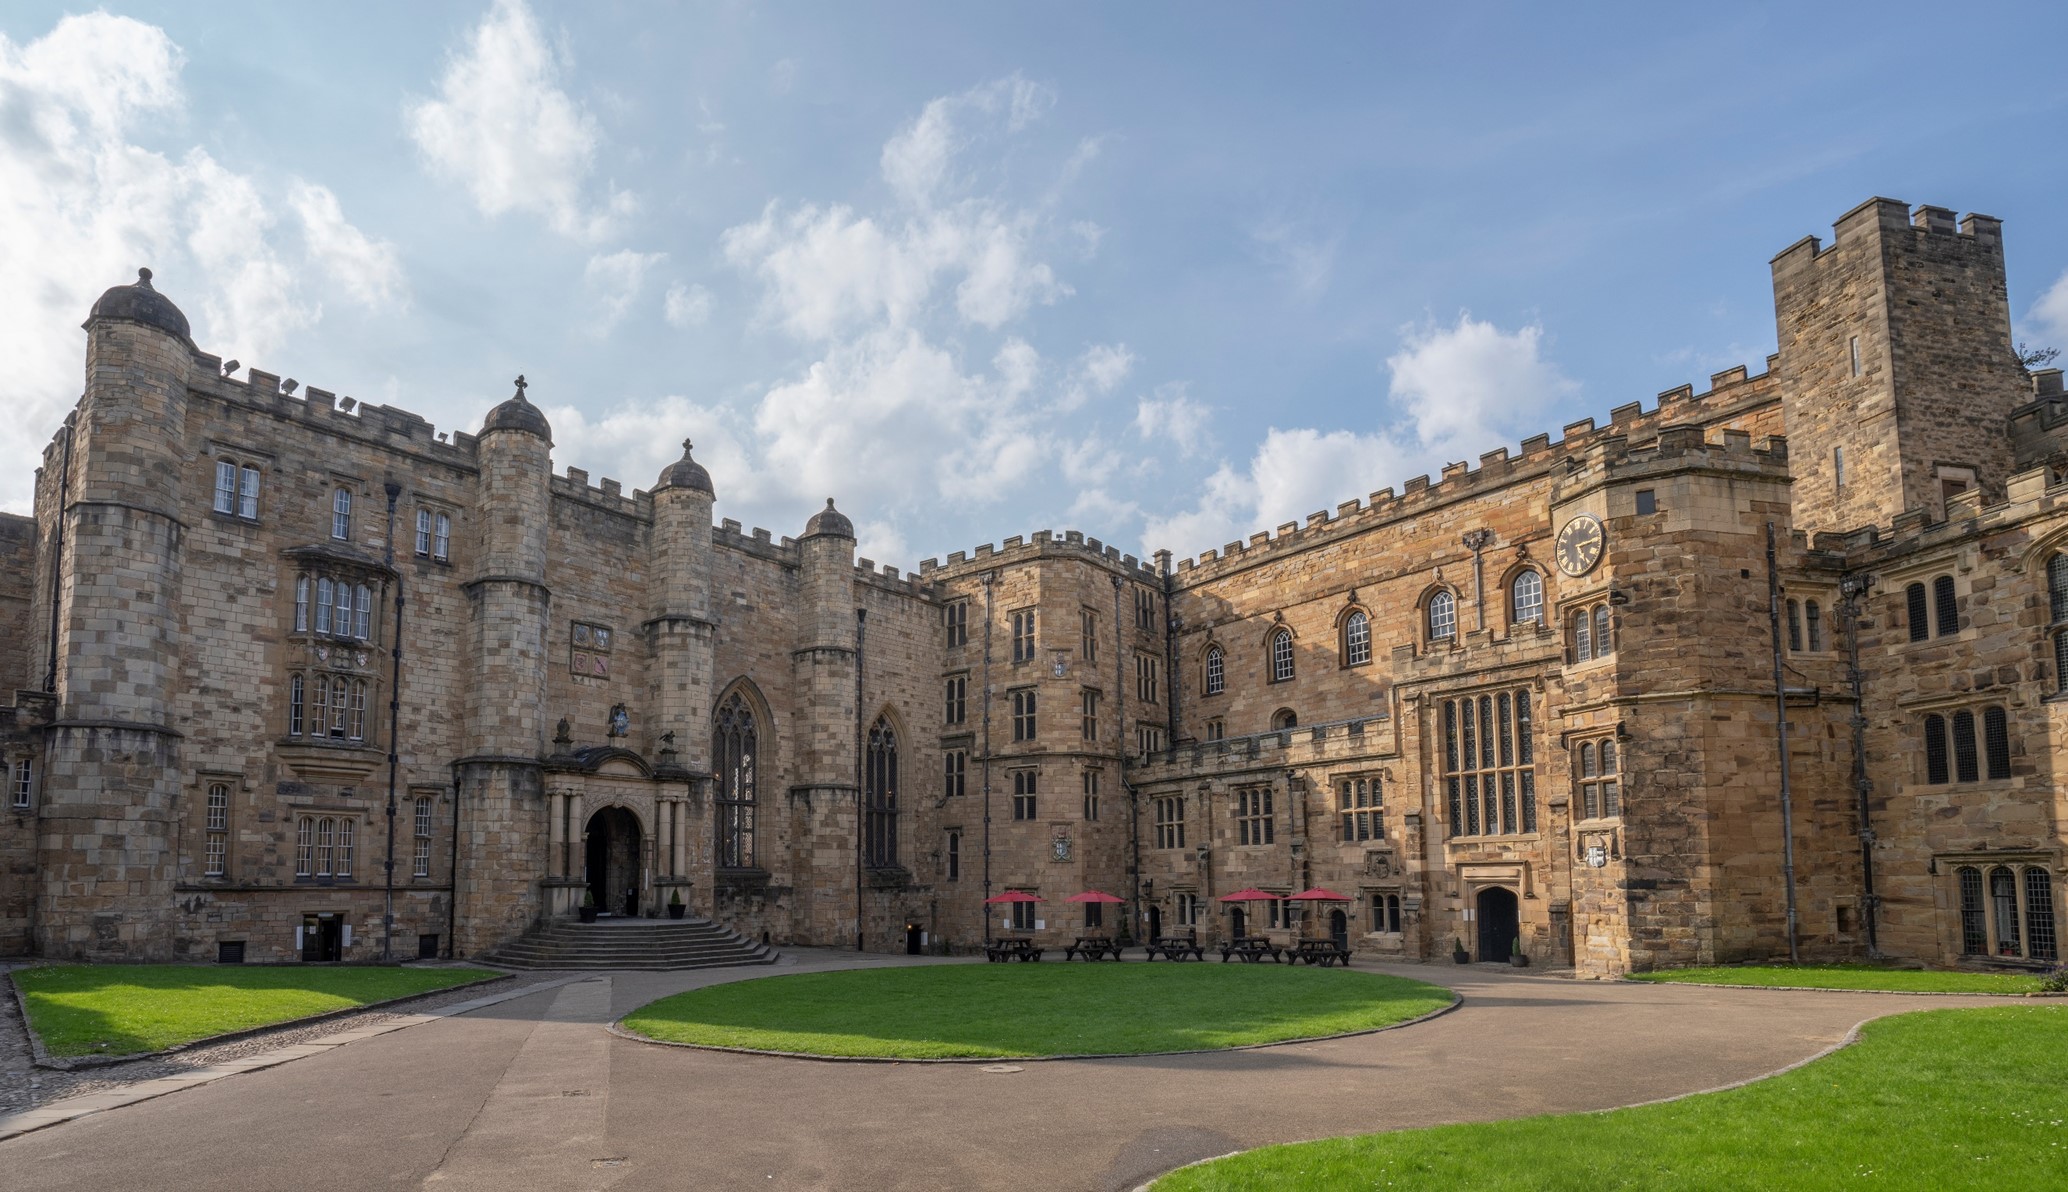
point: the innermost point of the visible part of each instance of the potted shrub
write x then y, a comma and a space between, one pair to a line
1516, 956
1457, 951
675, 907
588, 909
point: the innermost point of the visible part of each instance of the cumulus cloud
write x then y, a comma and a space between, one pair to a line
2046, 324
83, 204
1455, 391
918, 161
613, 282
502, 126
686, 306
642, 437
1172, 416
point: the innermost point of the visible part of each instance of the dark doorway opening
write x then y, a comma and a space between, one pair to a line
613, 860
915, 939
1238, 923
1339, 928
1155, 922
323, 938
1500, 924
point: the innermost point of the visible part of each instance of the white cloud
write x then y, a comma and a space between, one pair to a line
1174, 416
502, 126
645, 436
917, 161
1456, 390
1306, 261
2046, 324
613, 282
686, 306
368, 269
83, 204
1106, 365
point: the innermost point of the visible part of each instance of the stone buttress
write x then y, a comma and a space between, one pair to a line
822, 739
682, 634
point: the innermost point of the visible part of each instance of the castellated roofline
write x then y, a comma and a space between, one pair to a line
1042, 544
1887, 215
2030, 493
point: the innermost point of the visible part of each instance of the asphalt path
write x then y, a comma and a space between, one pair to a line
534, 1093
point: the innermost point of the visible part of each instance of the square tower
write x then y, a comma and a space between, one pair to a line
1897, 372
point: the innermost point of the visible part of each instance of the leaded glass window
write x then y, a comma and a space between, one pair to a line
880, 796
733, 755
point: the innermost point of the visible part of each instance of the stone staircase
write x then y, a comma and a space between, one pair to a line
688, 943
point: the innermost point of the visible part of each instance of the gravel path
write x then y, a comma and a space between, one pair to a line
25, 1086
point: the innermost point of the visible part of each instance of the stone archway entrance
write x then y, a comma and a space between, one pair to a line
1500, 924
613, 860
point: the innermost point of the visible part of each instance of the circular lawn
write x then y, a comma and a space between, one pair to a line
1019, 1011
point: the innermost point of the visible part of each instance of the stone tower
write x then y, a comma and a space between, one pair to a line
108, 828
1896, 364
826, 820
682, 638
502, 802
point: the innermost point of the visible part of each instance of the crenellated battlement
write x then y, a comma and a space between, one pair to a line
887, 578
2031, 493
1043, 544
760, 543
388, 427
1888, 217
607, 495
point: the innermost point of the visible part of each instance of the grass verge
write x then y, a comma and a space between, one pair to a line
1016, 1010
1847, 976
124, 1009
1939, 1099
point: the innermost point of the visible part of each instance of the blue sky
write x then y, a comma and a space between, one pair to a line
1164, 273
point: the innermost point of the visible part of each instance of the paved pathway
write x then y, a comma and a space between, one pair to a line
532, 1094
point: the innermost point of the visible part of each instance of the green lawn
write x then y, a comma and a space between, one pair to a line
1005, 1010
123, 1009
1941, 1099
1848, 976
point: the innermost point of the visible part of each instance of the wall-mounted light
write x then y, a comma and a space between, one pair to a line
230, 366
1618, 597
289, 385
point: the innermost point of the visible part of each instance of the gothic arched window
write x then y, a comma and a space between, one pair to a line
880, 796
1526, 598
1281, 656
1216, 671
1443, 617
733, 751
1356, 638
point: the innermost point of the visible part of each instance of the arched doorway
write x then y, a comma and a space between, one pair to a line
1500, 924
1339, 928
613, 860
1155, 923
1238, 923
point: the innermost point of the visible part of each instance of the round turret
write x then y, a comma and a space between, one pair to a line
685, 473
141, 304
829, 522
516, 414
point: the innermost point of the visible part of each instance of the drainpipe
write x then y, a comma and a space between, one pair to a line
452, 897
1475, 541
990, 579
1120, 743
1850, 589
394, 492
861, 617
1773, 616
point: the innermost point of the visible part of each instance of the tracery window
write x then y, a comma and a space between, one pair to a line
1356, 638
1216, 671
733, 753
880, 796
218, 829
1443, 617
1526, 598
2007, 911
1490, 763
1281, 656
1254, 823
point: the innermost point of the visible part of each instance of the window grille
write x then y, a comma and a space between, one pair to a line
1794, 627
1996, 742
1815, 617
1974, 932
2039, 915
733, 755
1281, 656
2061, 660
1253, 818
1217, 676
1443, 617
341, 515
1490, 764
2003, 902
1945, 606
880, 794
1914, 611
1526, 598
1966, 766
1026, 794
1356, 639
1361, 809
422, 859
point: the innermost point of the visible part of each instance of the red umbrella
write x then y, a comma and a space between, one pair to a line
1250, 895
1093, 896
1320, 894
1012, 896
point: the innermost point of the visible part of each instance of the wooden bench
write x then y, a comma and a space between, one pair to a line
999, 951
1250, 948
1321, 952
1092, 947
1175, 947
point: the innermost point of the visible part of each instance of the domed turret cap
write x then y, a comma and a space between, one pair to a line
686, 473
141, 304
829, 521
518, 414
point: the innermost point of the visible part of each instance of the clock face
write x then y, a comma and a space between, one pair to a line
1580, 543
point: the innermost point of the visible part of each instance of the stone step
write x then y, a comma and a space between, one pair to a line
651, 945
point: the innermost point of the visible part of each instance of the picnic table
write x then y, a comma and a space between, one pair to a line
1251, 948
1092, 947
1321, 952
1015, 948
1175, 947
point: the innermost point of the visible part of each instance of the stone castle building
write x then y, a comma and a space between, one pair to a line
1538, 703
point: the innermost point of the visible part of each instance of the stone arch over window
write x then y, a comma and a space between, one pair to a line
1440, 614
1213, 669
1525, 588
740, 729
1353, 636
1283, 719
1278, 649
881, 792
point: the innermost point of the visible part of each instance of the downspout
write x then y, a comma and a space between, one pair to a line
452, 897
1773, 616
990, 578
861, 618
394, 492
1135, 911
57, 552
1850, 589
